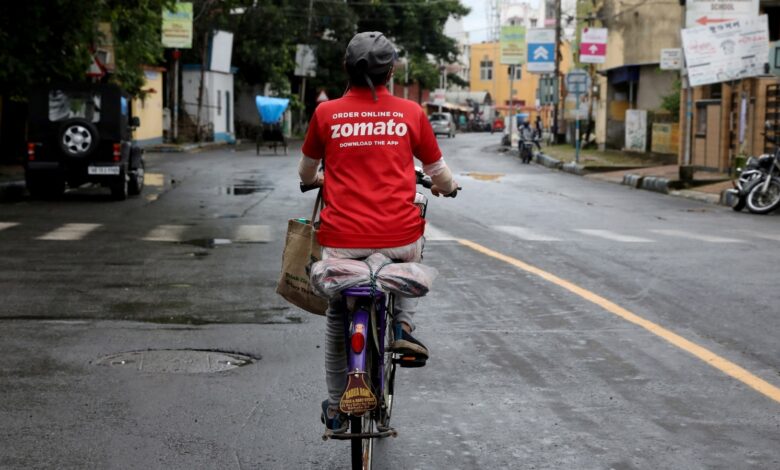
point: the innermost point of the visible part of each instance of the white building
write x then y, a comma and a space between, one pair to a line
217, 109
454, 29
546, 13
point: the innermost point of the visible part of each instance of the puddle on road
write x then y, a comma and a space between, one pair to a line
484, 176
245, 187
207, 242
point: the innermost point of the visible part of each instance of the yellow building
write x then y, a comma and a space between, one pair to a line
488, 74
150, 109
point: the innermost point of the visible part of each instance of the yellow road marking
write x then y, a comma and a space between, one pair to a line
720, 363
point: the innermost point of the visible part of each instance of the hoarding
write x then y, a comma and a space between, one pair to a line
671, 59
177, 26
726, 51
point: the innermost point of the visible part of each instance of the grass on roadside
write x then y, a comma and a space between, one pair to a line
594, 157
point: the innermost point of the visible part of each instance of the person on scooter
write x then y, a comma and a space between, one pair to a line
368, 140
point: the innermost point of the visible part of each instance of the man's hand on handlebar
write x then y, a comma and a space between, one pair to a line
436, 191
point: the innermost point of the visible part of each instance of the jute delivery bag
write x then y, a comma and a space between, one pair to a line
301, 250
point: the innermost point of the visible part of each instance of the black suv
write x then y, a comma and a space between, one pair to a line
82, 133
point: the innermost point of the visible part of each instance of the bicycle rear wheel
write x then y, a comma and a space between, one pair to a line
362, 449
386, 407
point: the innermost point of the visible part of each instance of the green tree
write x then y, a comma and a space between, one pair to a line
43, 42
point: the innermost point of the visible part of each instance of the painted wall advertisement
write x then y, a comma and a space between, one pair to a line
177, 26
513, 49
726, 51
636, 130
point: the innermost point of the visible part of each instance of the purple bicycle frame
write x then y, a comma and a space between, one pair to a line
357, 361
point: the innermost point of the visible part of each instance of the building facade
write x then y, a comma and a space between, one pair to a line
631, 77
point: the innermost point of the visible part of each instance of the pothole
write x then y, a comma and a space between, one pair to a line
176, 361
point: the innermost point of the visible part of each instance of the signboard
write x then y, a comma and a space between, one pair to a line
636, 130
708, 12
439, 96
575, 109
548, 90
305, 61
593, 46
577, 82
96, 69
177, 26
322, 97
671, 59
220, 51
774, 59
541, 50
512, 44
726, 51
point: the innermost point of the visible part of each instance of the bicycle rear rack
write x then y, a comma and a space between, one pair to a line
343, 436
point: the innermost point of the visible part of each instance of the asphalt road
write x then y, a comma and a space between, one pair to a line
575, 324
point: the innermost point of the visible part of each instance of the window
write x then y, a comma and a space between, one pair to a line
533, 22
486, 70
518, 71
219, 102
69, 104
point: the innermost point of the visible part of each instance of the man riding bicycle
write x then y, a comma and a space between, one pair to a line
367, 140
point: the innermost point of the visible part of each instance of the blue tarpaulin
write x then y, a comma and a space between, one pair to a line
271, 109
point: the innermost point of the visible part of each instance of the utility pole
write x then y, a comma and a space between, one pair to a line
591, 70
512, 119
685, 86
557, 68
303, 81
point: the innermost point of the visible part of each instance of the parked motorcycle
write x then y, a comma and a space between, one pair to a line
742, 184
763, 193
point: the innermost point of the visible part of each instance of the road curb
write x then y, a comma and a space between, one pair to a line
655, 183
698, 196
548, 161
574, 168
632, 179
184, 148
12, 187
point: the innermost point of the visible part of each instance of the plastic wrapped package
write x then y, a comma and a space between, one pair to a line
331, 276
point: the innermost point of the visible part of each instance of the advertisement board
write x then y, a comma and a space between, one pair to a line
305, 61
726, 51
512, 45
177, 26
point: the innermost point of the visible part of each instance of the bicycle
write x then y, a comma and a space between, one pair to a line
369, 394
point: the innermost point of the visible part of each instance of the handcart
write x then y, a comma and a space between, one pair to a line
270, 132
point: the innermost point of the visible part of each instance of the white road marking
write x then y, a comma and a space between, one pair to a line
767, 236
525, 233
252, 234
434, 234
697, 236
70, 232
609, 235
5, 225
166, 233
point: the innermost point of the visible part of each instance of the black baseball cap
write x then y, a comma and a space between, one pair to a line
371, 50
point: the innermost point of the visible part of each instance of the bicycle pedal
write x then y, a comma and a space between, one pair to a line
411, 361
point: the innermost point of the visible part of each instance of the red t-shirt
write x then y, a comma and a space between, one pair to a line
369, 170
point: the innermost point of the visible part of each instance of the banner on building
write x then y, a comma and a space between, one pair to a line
221, 51
726, 51
512, 45
636, 130
177, 26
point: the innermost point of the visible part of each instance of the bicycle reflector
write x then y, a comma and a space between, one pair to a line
358, 342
